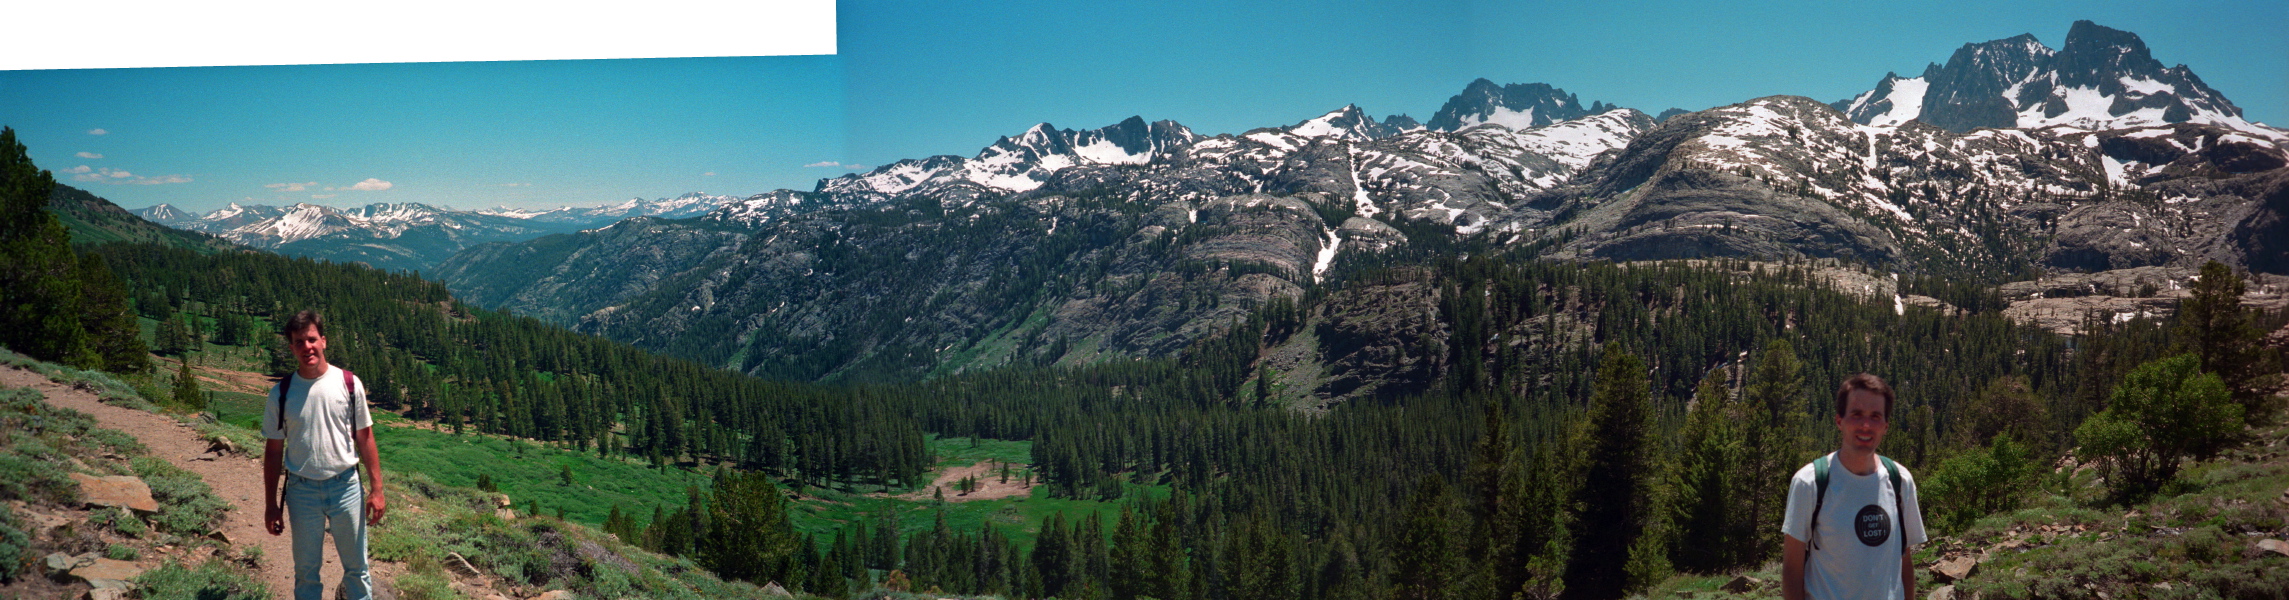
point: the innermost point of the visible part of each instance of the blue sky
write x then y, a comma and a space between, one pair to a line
913, 79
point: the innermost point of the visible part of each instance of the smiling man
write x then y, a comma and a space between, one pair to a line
320, 433
1852, 517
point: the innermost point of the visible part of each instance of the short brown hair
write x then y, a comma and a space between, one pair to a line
303, 320
1861, 381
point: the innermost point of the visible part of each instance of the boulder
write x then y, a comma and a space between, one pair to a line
117, 490
555, 595
60, 562
2274, 545
108, 573
108, 594
774, 589
1742, 584
1954, 568
1945, 592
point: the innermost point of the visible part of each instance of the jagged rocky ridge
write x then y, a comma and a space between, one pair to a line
2104, 78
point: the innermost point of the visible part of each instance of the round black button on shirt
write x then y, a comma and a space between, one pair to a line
1873, 525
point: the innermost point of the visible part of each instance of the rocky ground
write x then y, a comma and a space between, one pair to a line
236, 478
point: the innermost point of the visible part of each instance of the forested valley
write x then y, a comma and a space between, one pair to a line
1594, 428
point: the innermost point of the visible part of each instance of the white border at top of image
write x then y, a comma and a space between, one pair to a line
97, 34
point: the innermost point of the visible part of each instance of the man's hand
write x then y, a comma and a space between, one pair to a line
375, 506
273, 509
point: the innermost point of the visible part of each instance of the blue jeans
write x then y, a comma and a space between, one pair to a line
315, 507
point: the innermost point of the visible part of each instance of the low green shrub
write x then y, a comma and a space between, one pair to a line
116, 441
121, 552
1977, 483
211, 580
14, 544
424, 586
187, 506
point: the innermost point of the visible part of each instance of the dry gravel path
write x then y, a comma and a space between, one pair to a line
236, 479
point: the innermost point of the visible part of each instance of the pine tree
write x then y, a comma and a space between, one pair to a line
1708, 448
1424, 560
749, 531
2213, 326
1771, 415
187, 392
40, 312
1618, 493
111, 327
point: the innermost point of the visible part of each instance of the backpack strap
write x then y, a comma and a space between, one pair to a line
285, 384
1897, 504
1819, 498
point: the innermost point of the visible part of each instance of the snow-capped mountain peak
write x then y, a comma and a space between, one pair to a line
1022, 163
166, 214
1517, 106
2102, 79
1347, 123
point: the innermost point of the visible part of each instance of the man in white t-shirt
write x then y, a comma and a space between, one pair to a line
1868, 519
319, 434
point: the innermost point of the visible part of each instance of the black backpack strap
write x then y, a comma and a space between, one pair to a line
285, 384
1819, 498
1897, 503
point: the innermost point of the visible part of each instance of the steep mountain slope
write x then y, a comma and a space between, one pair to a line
897, 292
1055, 245
94, 220
2103, 79
1786, 176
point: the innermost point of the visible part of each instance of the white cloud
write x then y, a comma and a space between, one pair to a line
708, 174
78, 169
323, 196
516, 185
96, 132
371, 185
290, 187
88, 155
115, 176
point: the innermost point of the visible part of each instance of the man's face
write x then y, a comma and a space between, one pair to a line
1863, 422
309, 347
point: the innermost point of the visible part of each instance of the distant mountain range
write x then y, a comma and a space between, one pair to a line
406, 236
1140, 238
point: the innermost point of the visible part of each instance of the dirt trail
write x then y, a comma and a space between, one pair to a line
236, 479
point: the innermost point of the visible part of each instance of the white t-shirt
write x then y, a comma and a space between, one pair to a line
1857, 553
320, 415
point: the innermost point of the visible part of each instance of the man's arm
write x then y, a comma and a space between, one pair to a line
273, 465
1907, 572
370, 457
1792, 568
